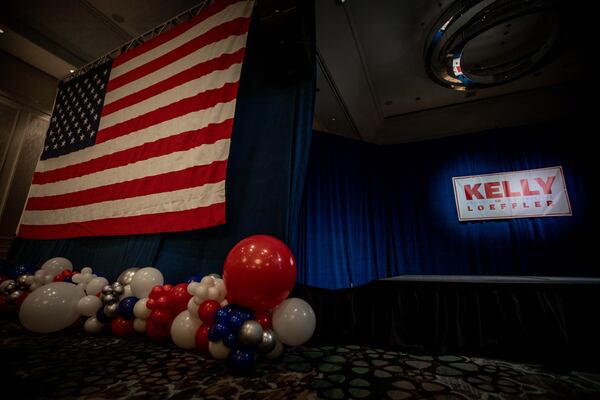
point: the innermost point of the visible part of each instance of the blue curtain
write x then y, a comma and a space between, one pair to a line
268, 157
372, 212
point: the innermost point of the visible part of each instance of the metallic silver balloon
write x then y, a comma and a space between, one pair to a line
117, 289
107, 290
108, 298
111, 310
23, 282
6, 287
268, 342
14, 296
250, 333
10, 287
127, 276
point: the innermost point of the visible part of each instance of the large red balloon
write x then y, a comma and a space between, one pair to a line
202, 338
178, 298
259, 272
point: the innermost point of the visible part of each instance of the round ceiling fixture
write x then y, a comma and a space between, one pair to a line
482, 43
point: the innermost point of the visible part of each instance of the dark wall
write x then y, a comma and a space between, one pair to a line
371, 211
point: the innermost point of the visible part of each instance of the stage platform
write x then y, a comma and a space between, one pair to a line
526, 318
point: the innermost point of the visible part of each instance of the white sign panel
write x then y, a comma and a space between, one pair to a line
520, 194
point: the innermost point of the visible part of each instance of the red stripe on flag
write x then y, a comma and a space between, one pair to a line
220, 63
180, 142
198, 102
211, 10
152, 223
187, 178
236, 27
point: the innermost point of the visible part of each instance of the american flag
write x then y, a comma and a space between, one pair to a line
140, 144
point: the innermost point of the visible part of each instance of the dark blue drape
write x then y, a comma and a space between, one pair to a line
269, 152
371, 212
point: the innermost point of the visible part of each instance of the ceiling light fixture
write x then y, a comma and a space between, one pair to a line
1, 31
71, 70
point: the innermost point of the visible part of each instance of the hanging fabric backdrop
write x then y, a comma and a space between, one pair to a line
372, 212
267, 161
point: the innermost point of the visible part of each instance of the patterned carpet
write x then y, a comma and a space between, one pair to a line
72, 364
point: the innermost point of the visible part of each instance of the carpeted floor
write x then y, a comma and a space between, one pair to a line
72, 364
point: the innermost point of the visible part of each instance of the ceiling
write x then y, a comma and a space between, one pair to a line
371, 81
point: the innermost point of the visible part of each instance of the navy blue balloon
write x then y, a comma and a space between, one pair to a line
241, 360
230, 340
221, 316
194, 278
126, 307
221, 330
23, 269
212, 335
100, 316
68, 279
235, 322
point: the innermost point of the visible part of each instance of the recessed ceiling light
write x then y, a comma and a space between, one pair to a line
1, 31
71, 70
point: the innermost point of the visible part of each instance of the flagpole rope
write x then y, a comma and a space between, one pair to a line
185, 16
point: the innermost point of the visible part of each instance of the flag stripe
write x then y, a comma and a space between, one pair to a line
181, 142
197, 218
196, 71
183, 199
212, 81
219, 12
197, 120
201, 101
201, 155
237, 27
229, 45
190, 177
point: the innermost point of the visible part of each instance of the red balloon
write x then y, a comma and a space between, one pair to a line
202, 338
167, 287
264, 319
121, 327
259, 272
155, 331
162, 302
178, 298
207, 310
156, 292
151, 304
161, 317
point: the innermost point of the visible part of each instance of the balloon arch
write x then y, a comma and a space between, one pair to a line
238, 317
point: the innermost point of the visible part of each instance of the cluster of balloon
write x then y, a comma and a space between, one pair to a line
65, 276
246, 313
49, 270
165, 303
15, 283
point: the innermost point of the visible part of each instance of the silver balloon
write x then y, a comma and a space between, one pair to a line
14, 296
10, 287
111, 310
23, 282
117, 289
250, 333
108, 298
127, 276
107, 289
268, 342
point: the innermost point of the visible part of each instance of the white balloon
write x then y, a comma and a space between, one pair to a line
51, 308
126, 292
294, 321
48, 279
193, 307
139, 325
89, 305
34, 286
92, 325
276, 352
218, 350
213, 293
76, 278
56, 265
95, 285
224, 303
183, 330
144, 280
140, 310
86, 270
202, 292
192, 288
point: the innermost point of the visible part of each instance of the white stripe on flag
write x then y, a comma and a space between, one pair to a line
176, 161
232, 12
213, 80
177, 200
192, 121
